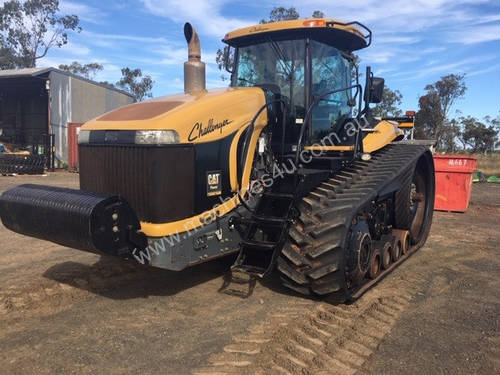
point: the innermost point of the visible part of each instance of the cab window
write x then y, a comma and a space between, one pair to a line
330, 71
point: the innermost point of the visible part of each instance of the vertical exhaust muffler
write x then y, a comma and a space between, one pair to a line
194, 68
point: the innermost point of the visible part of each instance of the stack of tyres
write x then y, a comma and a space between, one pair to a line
22, 164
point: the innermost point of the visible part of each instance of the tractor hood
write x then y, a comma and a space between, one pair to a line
201, 117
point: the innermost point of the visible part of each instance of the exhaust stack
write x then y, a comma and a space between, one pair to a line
194, 68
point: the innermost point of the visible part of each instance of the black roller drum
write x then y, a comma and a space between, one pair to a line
95, 222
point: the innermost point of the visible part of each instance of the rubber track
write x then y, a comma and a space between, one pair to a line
312, 261
401, 211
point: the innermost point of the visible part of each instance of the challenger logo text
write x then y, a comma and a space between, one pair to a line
199, 130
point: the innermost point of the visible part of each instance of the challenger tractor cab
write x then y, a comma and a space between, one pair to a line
287, 167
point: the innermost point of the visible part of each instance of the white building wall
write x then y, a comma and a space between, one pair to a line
60, 114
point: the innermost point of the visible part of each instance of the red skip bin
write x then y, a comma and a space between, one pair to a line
453, 181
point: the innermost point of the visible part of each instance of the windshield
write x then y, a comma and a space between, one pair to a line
279, 63
282, 64
330, 71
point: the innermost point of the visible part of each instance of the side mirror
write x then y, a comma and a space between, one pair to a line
376, 89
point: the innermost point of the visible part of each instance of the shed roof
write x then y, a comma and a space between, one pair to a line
37, 72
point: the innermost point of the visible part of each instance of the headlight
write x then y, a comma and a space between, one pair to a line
151, 137
83, 136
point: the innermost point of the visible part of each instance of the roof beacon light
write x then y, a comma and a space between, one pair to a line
314, 23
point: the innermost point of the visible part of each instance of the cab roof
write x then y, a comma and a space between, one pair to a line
349, 36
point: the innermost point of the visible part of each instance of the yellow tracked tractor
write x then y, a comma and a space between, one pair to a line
287, 166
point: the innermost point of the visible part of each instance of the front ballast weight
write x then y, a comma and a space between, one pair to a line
94, 222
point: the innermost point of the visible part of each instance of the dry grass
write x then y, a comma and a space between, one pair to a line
489, 164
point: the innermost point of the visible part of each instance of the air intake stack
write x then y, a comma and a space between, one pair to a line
194, 68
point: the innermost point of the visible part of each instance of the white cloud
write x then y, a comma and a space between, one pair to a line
375, 56
113, 38
111, 73
476, 34
171, 55
487, 18
205, 15
67, 54
379, 72
397, 39
398, 11
489, 69
462, 66
83, 11
76, 49
430, 50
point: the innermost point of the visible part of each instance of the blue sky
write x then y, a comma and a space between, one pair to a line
415, 42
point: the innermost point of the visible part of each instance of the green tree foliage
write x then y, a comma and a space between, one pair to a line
134, 83
389, 107
432, 118
466, 133
450, 137
108, 84
222, 62
132, 80
29, 29
281, 14
85, 70
318, 14
478, 136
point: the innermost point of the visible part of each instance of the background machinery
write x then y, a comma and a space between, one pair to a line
287, 167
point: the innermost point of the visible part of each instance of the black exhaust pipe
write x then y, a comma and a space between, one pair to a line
94, 222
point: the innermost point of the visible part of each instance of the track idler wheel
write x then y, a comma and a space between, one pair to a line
415, 201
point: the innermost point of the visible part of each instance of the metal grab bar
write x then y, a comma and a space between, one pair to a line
367, 37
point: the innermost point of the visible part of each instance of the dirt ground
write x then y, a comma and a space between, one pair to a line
65, 311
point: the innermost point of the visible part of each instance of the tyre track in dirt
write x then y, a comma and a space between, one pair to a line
314, 337
319, 338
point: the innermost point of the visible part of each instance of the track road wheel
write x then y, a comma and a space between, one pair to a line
386, 255
375, 264
359, 252
405, 243
396, 250
415, 201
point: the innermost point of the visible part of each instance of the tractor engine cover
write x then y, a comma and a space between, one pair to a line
94, 222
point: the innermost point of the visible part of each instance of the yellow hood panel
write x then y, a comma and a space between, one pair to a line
199, 118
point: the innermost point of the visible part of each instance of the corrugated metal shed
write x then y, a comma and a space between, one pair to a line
36, 101
37, 72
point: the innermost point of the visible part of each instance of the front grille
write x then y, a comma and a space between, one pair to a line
157, 181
